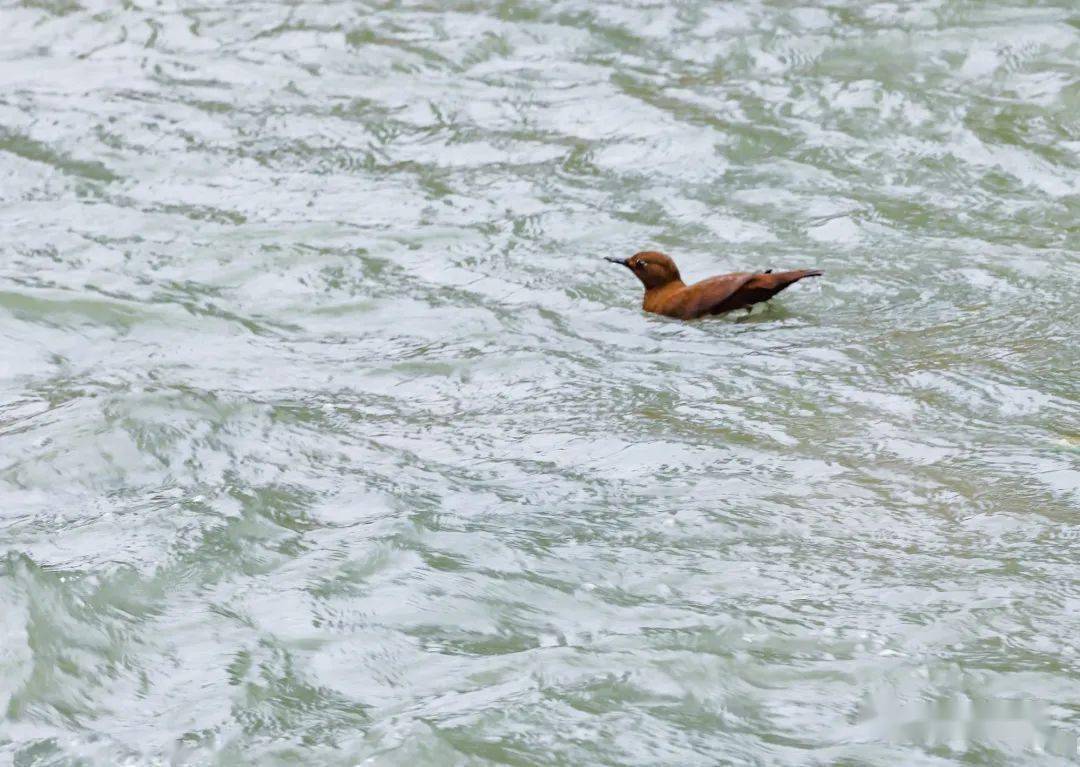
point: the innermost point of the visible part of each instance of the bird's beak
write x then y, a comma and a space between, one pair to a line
621, 261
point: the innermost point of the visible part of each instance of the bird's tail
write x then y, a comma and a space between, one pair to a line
789, 277
794, 275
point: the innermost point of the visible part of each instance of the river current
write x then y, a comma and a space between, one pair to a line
328, 437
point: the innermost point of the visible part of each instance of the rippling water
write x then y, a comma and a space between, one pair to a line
327, 437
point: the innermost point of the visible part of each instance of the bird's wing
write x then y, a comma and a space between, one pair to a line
710, 295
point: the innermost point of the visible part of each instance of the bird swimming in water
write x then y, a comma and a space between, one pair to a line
667, 294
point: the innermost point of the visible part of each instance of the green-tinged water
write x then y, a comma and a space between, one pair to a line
328, 437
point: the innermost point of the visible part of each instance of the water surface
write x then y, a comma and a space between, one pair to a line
327, 437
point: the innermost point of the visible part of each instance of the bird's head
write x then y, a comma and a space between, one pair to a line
653, 269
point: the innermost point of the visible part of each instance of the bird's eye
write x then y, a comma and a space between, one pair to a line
639, 264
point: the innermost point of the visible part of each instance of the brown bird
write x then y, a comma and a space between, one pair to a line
667, 294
